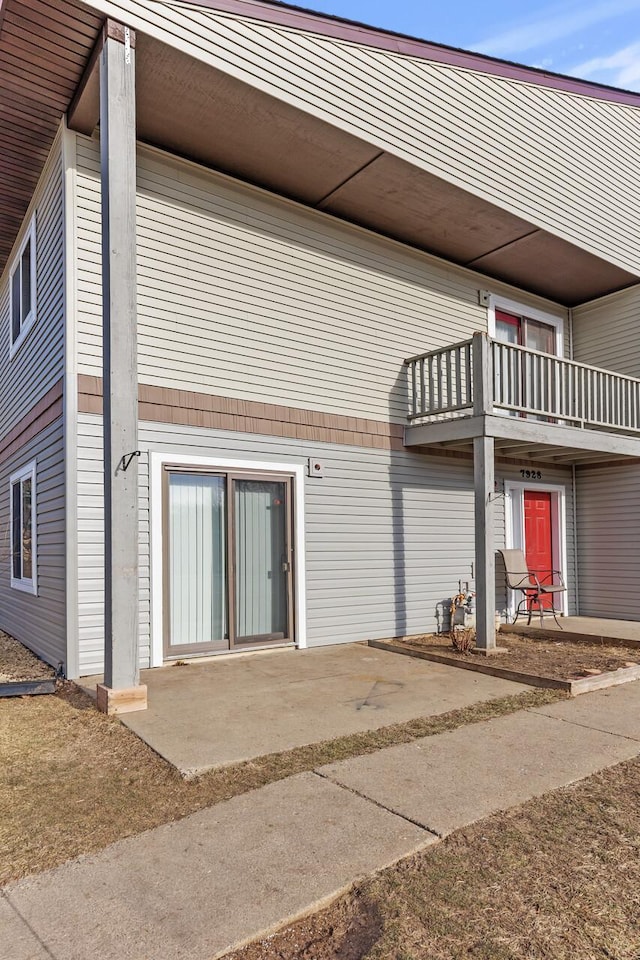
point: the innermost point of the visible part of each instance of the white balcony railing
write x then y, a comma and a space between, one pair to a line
441, 381
522, 382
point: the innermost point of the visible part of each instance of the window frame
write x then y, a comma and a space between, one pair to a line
27, 324
524, 312
26, 584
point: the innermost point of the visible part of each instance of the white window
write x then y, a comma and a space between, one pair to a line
22, 495
512, 322
23, 289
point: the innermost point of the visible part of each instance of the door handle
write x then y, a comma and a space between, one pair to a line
286, 566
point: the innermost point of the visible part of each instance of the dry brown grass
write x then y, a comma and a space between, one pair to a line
73, 781
555, 879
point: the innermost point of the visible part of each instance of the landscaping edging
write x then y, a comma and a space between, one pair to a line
26, 688
612, 678
554, 633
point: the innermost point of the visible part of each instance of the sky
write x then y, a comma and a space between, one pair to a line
597, 40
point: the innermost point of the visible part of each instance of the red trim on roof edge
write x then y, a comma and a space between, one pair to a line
301, 18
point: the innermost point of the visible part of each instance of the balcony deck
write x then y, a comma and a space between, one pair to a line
535, 406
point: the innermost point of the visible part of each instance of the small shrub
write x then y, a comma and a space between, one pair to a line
463, 638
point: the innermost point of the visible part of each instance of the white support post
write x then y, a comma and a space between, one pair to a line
121, 691
484, 487
483, 472
482, 366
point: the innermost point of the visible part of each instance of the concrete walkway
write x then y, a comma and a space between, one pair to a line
196, 888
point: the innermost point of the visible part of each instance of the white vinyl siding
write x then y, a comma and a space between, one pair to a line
91, 548
608, 538
37, 621
388, 536
245, 295
605, 332
39, 362
553, 146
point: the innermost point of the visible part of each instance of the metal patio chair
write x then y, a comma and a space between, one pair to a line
535, 585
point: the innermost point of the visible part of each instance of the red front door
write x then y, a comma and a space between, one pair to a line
538, 536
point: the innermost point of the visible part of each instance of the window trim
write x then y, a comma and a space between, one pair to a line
532, 313
29, 321
26, 584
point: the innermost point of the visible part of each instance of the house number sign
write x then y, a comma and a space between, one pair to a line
531, 474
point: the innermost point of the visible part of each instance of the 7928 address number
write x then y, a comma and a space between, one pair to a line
531, 474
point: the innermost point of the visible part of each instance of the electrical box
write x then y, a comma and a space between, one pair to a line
315, 467
483, 298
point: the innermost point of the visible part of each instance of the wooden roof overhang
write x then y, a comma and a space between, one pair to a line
44, 48
196, 111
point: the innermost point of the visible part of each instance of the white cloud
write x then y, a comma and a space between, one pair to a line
551, 26
620, 69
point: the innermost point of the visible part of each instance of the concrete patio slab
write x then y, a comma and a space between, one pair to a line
453, 779
214, 713
614, 711
196, 888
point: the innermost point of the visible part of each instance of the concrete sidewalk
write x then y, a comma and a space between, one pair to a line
195, 888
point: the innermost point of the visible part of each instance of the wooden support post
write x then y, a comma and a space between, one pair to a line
121, 690
483, 472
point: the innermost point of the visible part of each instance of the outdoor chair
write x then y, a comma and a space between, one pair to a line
535, 585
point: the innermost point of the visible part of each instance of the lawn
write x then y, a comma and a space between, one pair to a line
555, 879
73, 781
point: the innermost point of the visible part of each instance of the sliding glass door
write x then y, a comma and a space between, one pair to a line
197, 562
228, 580
261, 560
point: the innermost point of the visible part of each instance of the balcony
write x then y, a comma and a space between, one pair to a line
534, 405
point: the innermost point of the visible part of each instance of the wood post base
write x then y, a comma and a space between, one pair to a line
121, 701
489, 651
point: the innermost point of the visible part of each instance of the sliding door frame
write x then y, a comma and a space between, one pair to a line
231, 584
243, 469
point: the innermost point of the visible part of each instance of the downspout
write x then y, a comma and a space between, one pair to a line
574, 503
575, 539
570, 323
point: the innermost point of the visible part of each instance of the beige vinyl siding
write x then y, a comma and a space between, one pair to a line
38, 621
245, 295
451, 121
388, 535
606, 332
608, 541
39, 361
